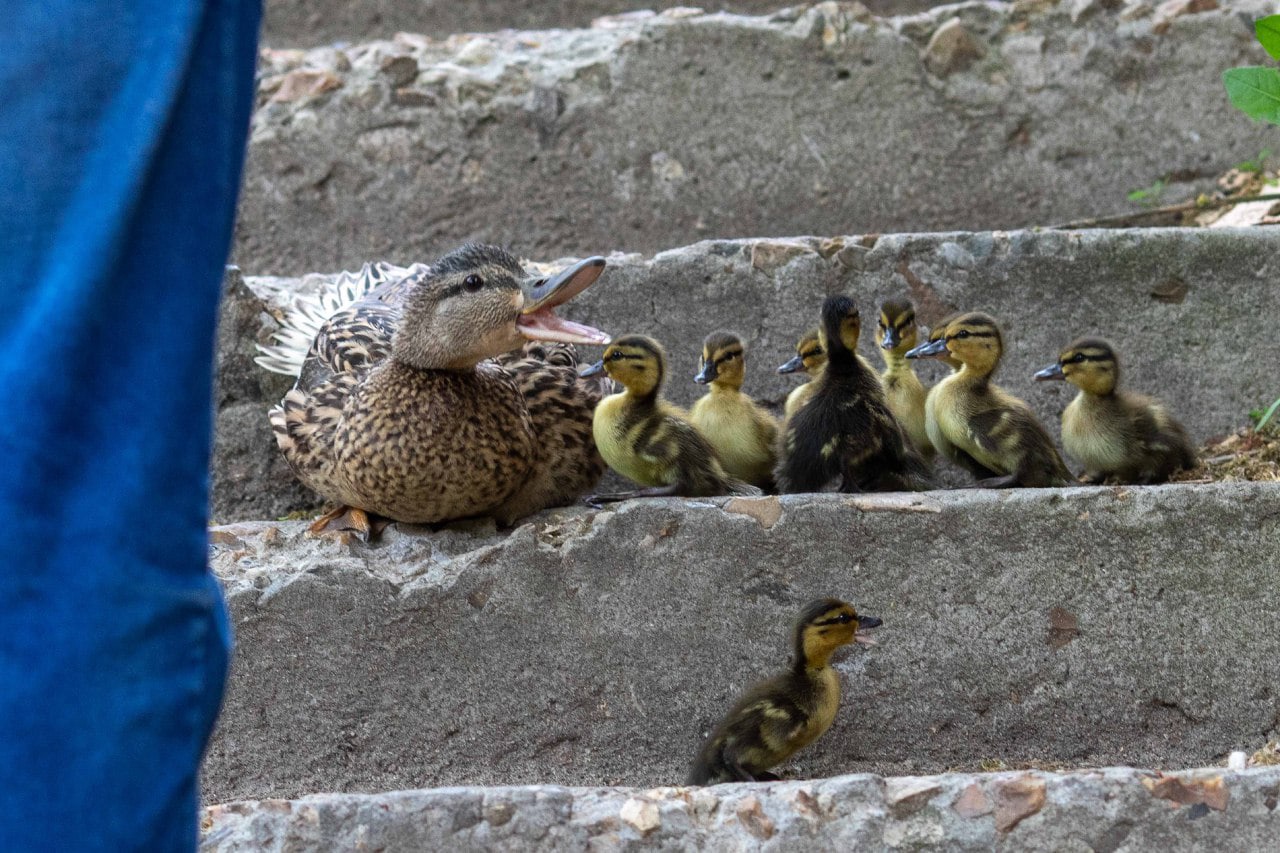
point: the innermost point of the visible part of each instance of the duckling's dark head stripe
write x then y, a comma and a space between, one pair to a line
722, 341
975, 324
898, 312
1088, 349
813, 612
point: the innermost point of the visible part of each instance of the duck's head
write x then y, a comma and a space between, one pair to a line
478, 302
897, 326
1090, 364
824, 626
936, 333
841, 324
810, 356
636, 361
722, 361
972, 339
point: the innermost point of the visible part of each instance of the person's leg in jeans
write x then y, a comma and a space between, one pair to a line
122, 130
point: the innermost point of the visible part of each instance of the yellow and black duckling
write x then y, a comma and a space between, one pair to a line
978, 424
1114, 433
902, 388
401, 411
811, 358
776, 718
647, 439
742, 432
846, 429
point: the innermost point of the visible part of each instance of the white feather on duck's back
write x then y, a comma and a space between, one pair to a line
308, 313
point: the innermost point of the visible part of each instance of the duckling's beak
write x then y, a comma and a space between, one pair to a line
866, 623
537, 320
1053, 371
592, 370
708, 373
891, 338
929, 349
792, 366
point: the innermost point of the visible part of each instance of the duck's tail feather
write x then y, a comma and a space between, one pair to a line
308, 313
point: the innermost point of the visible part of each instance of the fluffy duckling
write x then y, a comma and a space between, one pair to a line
647, 439
903, 389
978, 424
1115, 433
776, 718
741, 431
846, 429
811, 358
404, 410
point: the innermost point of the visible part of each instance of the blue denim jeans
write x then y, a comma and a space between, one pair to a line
122, 133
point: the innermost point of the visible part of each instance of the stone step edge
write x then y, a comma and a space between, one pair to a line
974, 807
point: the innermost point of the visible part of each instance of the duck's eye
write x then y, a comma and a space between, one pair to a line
473, 283
844, 618
1076, 359
617, 354
962, 334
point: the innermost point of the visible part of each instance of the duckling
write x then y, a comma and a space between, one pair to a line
647, 439
776, 718
810, 357
978, 424
400, 411
846, 428
740, 430
1115, 433
903, 389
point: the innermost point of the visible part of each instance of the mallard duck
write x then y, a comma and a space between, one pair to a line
978, 424
846, 429
740, 430
902, 388
1115, 433
647, 439
401, 411
810, 357
776, 718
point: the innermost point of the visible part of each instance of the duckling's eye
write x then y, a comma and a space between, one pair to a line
962, 334
616, 355
844, 618
473, 283
1076, 359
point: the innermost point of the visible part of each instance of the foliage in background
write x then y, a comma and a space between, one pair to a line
1255, 91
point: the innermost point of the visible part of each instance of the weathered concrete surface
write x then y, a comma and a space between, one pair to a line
1099, 810
642, 134
1183, 306
307, 23
1077, 626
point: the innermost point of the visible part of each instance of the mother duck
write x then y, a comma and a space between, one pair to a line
448, 392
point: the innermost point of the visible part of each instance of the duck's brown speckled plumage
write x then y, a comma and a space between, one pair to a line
506, 438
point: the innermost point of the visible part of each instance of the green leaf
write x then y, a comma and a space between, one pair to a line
1255, 91
1262, 422
1268, 32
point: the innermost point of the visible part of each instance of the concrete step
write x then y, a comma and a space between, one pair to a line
1099, 810
1064, 627
307, 23
1182, 305
640, 134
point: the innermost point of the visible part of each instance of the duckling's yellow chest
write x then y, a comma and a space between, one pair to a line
826, 703
950, 409
741, 435
797, 398
620, 438
1095, 436
906, 398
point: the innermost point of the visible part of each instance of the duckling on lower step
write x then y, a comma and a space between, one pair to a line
776, 718
649, 440
846, 430
1115, 434
742, 432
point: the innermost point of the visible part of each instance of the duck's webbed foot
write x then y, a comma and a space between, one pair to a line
351, 519
598, 501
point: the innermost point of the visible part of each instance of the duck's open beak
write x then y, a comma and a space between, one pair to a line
866, 623
708, 373
929, 349
792, 366
1053, 371
538, 320
891, 338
